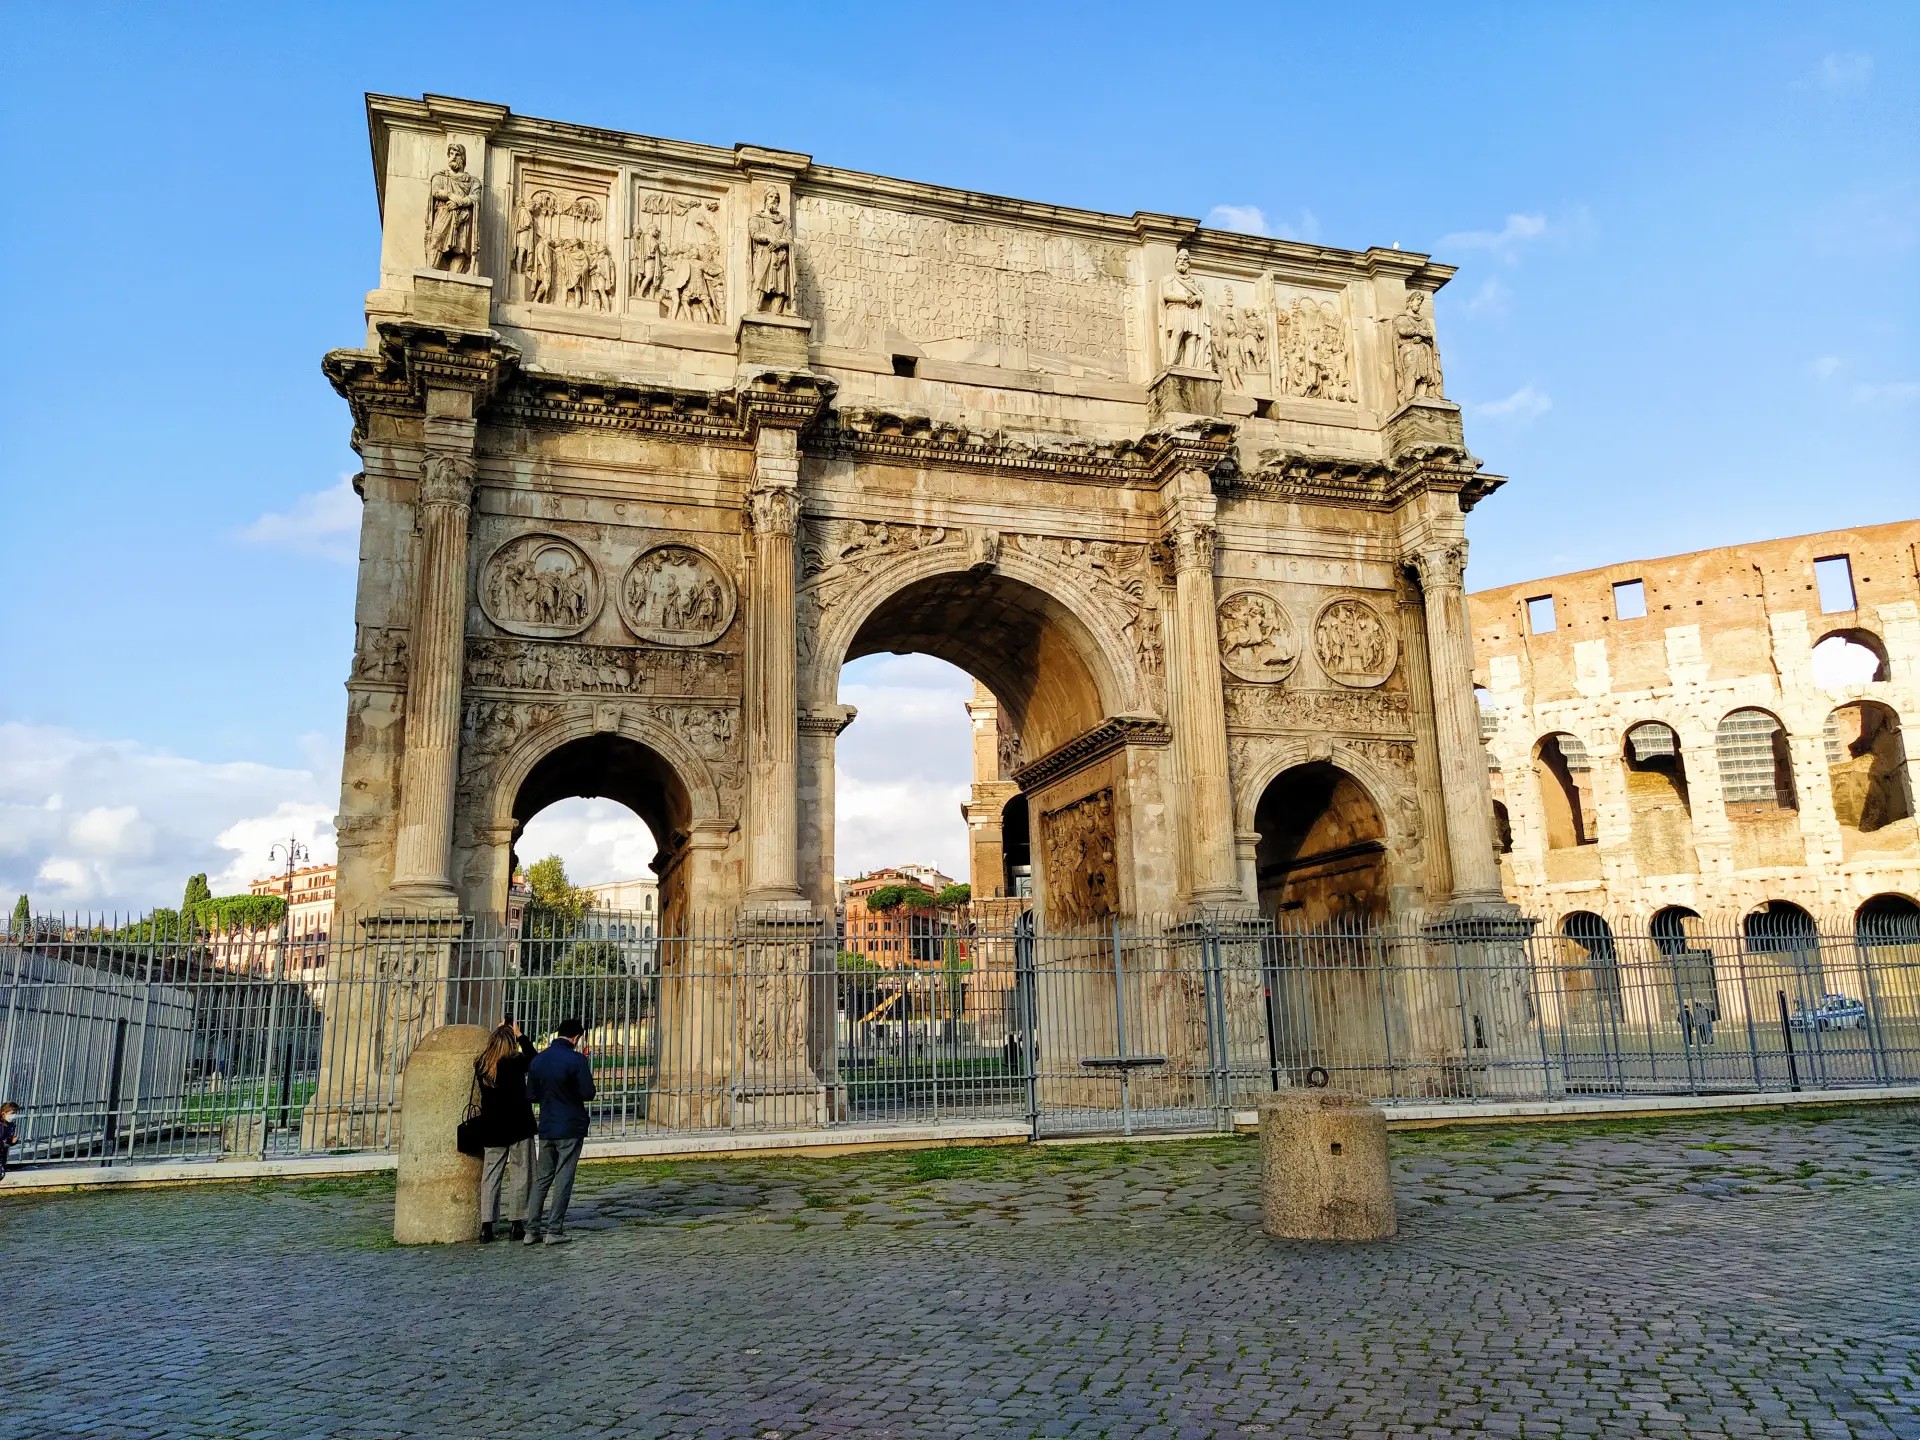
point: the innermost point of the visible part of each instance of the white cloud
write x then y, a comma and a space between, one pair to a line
904, 767
1839, 73
1490, 299
112, 825
1252, 220
1242, 219
1504, 242
599, 839
1523, 405
1823, 367
324, 524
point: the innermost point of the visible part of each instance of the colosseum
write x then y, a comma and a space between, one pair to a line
1711, 739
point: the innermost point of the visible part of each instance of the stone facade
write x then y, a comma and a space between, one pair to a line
657, 436
1673, 740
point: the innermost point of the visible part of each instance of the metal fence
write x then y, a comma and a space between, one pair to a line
124, 1046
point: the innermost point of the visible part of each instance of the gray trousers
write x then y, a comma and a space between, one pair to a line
558, 1160
508, 1169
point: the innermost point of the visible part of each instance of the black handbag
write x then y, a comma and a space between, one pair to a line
468, 1137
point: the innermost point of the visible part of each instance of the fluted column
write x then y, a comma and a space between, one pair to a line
1456, 717
1200, 717
772, 718
423, 846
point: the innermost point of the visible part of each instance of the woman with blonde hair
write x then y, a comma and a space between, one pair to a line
506, 1126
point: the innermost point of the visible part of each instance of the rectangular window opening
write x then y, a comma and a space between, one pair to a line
1263, 409
1629, 600
1540, 614
1834, 575
903, 365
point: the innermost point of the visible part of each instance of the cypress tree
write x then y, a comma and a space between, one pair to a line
22, 917
197, 891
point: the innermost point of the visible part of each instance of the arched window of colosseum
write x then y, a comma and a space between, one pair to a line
1867, 768
1502, 829
1790, 940
1888, 920
1589, 970
1678, 934
1849, 657
1658, 801
1566, 790
1756, 768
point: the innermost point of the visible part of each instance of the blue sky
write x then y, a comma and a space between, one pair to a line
1686, 312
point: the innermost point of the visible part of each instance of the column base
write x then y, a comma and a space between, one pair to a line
433, 901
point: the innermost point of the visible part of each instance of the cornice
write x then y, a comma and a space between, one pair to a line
1316, 480
547, 398
1114, 733
412, 359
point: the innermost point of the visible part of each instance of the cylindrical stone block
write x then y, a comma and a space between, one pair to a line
437, 1199
1323, 1167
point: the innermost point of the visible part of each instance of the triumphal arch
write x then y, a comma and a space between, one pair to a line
657, 436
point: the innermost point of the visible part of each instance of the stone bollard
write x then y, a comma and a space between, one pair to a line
437, 1199
1323, 1167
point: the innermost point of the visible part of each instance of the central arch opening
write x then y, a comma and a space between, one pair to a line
1322, 854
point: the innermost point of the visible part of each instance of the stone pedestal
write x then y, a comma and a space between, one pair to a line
779, 341
1323, 1167
1177, 393
437, 1199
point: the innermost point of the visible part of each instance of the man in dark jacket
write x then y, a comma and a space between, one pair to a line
560, 1082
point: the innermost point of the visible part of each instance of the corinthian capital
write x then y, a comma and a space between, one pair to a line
1441, 567
774, 510
446, 478
1193, 546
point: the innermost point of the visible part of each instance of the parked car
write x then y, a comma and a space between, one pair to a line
1834, 1012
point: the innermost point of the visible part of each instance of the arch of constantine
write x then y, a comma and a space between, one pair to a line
656, 436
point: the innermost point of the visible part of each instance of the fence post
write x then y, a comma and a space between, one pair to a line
1383, 953
1466, 1024
1120, 1028
1876, 1036
1683, 1017
1025, 980
1217, 1059
1540, 1019
140, 1038
273, 1035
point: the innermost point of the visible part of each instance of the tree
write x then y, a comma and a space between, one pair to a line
553, 914
239, 912
591, 981
953, 896
197, 891
22, 917
891, 897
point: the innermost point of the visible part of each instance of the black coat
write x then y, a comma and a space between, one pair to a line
505, 1116
562, 1081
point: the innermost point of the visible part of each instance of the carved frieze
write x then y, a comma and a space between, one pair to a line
380, 656
1266, 707
835, 552
994, 293
1120, 575
540, 585
676, 595
596, 669
1353, 644
1314, 360
1239, 343
1258, 641
1083, 874
560, 251
676, 261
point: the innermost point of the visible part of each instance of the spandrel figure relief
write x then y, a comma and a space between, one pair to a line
674, 595
1353, 644
1316, 356
453, 203
540, 585
1257, 638
675, 258
770, 234
1416, 351
1184, 342
1083, 878
1229, 343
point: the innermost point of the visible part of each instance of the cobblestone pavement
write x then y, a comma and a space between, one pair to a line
1707, 1276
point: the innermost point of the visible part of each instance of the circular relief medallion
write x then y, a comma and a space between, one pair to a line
540, 585
1352, 643
676, 595
1257, 638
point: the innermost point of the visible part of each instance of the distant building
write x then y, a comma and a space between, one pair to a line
309, 902
892, 937
627, 909
1715, 738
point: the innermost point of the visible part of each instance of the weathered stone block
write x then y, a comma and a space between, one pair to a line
1323, 1167
464, 302
776, 340
437, 1198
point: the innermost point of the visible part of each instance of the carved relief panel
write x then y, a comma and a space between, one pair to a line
992, 294
560, 251
676, 595
540, 585
1353, 644
1258, 641
676, 254
1313, 347
1080, 847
